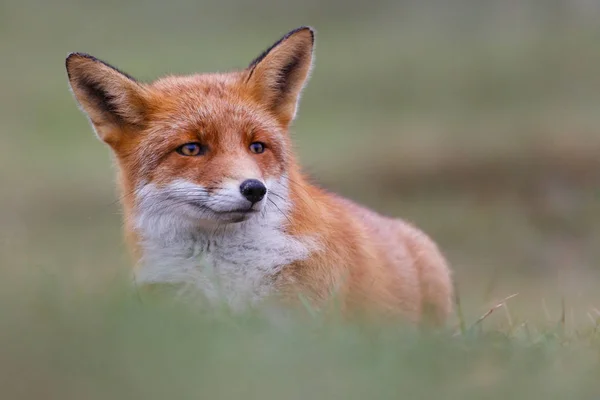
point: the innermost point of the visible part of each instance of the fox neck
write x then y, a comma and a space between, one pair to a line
235, 263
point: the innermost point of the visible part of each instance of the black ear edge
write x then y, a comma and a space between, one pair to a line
74, 55
95, 92
277, 43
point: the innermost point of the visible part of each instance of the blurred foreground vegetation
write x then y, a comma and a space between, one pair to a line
477, 120
57, 344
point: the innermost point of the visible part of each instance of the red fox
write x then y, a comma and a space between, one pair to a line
214, 198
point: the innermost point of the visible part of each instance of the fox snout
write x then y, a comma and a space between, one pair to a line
228, 202
233, 198
239, 194
253, 190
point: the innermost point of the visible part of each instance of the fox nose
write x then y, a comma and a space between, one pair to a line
253, 190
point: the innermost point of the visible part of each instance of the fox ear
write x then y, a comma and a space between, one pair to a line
112, 100
278, 75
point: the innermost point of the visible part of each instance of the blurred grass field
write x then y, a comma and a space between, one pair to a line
477, 120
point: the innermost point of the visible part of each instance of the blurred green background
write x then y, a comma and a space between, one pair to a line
477, 120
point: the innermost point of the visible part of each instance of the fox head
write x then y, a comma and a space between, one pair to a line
207, 149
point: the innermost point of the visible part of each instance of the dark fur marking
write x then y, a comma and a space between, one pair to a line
101, 98
285, 74
261, 57
92, 58
95, 91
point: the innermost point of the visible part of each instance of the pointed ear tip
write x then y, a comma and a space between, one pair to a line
77, 56
70, 57
305, 29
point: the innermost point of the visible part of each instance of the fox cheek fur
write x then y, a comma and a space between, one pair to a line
215, 201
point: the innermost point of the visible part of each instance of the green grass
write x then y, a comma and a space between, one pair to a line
56, 344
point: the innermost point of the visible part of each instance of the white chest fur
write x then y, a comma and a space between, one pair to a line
234, 263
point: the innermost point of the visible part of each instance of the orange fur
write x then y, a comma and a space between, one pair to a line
369, 262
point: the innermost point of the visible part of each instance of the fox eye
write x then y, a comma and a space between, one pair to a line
257, 147
191, 149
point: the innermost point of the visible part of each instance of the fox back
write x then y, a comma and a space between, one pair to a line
214, 199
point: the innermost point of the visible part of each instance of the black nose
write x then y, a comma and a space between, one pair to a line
253, 190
